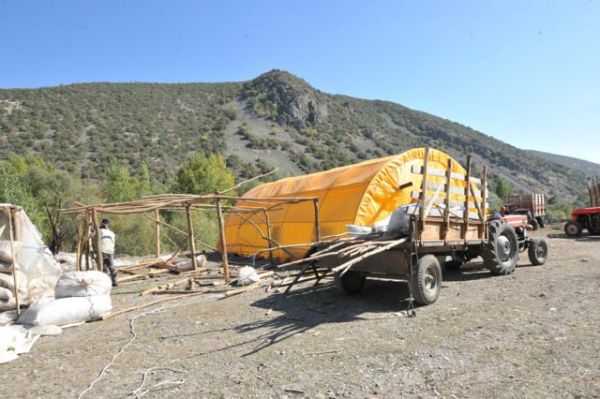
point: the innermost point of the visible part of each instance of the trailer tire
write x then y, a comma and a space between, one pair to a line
501, 253
426, 280
573, 229
538, 252
535, 225
351, 283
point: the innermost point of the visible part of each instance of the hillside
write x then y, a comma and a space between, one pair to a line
276, 119
587, 167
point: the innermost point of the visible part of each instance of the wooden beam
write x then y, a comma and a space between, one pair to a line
269, 239
188, 215
467, 195
484, 194
448, 201
224, 258
157, 231
99, 260
317, 223
423, 199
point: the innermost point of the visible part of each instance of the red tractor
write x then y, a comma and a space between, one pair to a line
584, 219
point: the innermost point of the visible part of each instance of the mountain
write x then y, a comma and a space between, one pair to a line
275, 120
587, 167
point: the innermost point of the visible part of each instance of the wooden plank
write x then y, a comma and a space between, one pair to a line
13, 265
317, 222
467, 193
484, 207
442, 173
157, 231
192, 241
423, 200
448, 199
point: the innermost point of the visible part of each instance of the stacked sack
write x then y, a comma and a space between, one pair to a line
79, 297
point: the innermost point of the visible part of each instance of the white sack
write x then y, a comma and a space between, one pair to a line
15, 340
5, 294
357, 231
65, 311
77, 284
5, 252
247, 275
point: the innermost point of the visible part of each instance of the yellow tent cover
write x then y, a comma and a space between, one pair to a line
359, 194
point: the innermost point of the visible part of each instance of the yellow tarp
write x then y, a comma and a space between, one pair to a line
359, 194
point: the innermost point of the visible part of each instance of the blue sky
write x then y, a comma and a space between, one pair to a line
526, 72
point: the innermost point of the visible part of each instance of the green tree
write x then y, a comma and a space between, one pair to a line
201, 175
502, 188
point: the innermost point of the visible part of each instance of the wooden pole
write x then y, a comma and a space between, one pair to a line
467, 195
79, 243
188, 214
269, 240
98, 249
423, 201
13, 262
484, 200
223, 241
448, 200
157, 231
317, 222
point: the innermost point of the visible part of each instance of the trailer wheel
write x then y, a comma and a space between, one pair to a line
573, 229
351, 282
426, 280
535, 225
501, 253
538, 252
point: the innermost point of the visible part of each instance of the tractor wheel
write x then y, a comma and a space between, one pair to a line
501, 253
573, 229
538, 252
426, 280
541, 221
351, 282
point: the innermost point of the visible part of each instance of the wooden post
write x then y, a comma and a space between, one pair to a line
424, 188
223, 241
79, 242
98, 249
157, 231
484, 199
317, 222
188, 215
448, 205
269, 239
467, 195
13, 262
88, 240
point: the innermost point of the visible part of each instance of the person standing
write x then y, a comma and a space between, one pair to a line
107, 243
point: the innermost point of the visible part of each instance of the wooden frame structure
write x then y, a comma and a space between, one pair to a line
88, 215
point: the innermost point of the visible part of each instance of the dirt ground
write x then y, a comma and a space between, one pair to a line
531, 334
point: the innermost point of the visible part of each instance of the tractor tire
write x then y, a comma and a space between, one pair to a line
501, 253
426, 280
538, 252
573, 229
541, 221
351, 283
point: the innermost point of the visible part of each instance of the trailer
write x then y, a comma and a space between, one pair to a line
532, 205
448, 224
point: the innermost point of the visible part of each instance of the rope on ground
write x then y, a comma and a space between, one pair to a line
128, 343
138, 393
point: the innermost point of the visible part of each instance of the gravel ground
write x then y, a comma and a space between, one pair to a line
532, 334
